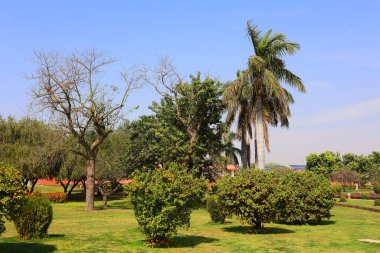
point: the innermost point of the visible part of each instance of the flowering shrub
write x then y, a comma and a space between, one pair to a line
56, 197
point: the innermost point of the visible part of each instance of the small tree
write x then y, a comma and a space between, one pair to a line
163, 200
324, 164
11, 192
250, 196
346, 177
70, 89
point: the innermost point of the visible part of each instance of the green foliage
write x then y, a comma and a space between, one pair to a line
337, 188
215, 209
33, 217
364, 195
32, 146
304, 197
324, 164
11, 192
376, 202
163, 200
376, 188
342, 199
152, 140
250, 196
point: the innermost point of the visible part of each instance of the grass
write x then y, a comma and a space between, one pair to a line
116, 230
361, 202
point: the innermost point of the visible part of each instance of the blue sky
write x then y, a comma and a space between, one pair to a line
338, 61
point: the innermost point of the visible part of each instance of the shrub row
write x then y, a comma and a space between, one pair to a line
363, 195
256, 197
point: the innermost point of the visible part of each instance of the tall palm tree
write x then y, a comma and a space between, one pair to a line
266, 71
236, 98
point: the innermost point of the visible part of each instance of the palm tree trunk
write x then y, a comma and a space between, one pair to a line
244, 147
249, 152
259, 128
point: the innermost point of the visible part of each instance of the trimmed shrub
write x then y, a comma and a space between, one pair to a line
376, 188
250, 196
163, 200
337, 188
304, 197
342, 199
364, 195
33, 217
376, 202
215, 209
11, 192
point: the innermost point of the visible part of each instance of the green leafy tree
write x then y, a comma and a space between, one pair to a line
164, 198
194, 106
152, 141
33, 147
11, 192
324, 164
112, 164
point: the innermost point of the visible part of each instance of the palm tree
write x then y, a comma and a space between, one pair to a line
266, 71
236, 98
230, 151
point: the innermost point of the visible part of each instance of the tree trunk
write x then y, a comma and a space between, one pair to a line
259, 128
244, 147
105, 200
76, 182
34, 182
65, 186
249, 152
90, 184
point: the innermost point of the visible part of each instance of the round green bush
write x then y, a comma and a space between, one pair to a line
33, 217
376, 202
342, 199
215, 209
304, 197
11, 192
337, 188
163, 200
376, 188
250, 196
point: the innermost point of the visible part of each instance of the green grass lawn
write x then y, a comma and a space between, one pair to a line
361, 202
115, 230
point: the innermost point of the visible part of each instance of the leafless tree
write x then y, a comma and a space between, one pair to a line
69, 87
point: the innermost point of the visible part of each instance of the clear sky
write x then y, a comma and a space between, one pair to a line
339, 60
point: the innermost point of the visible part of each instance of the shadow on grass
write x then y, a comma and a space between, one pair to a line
56, 236
25, 247
247, 229
310, 223
322, 223
189, 241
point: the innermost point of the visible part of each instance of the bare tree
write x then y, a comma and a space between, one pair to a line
70, 89
167, 81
